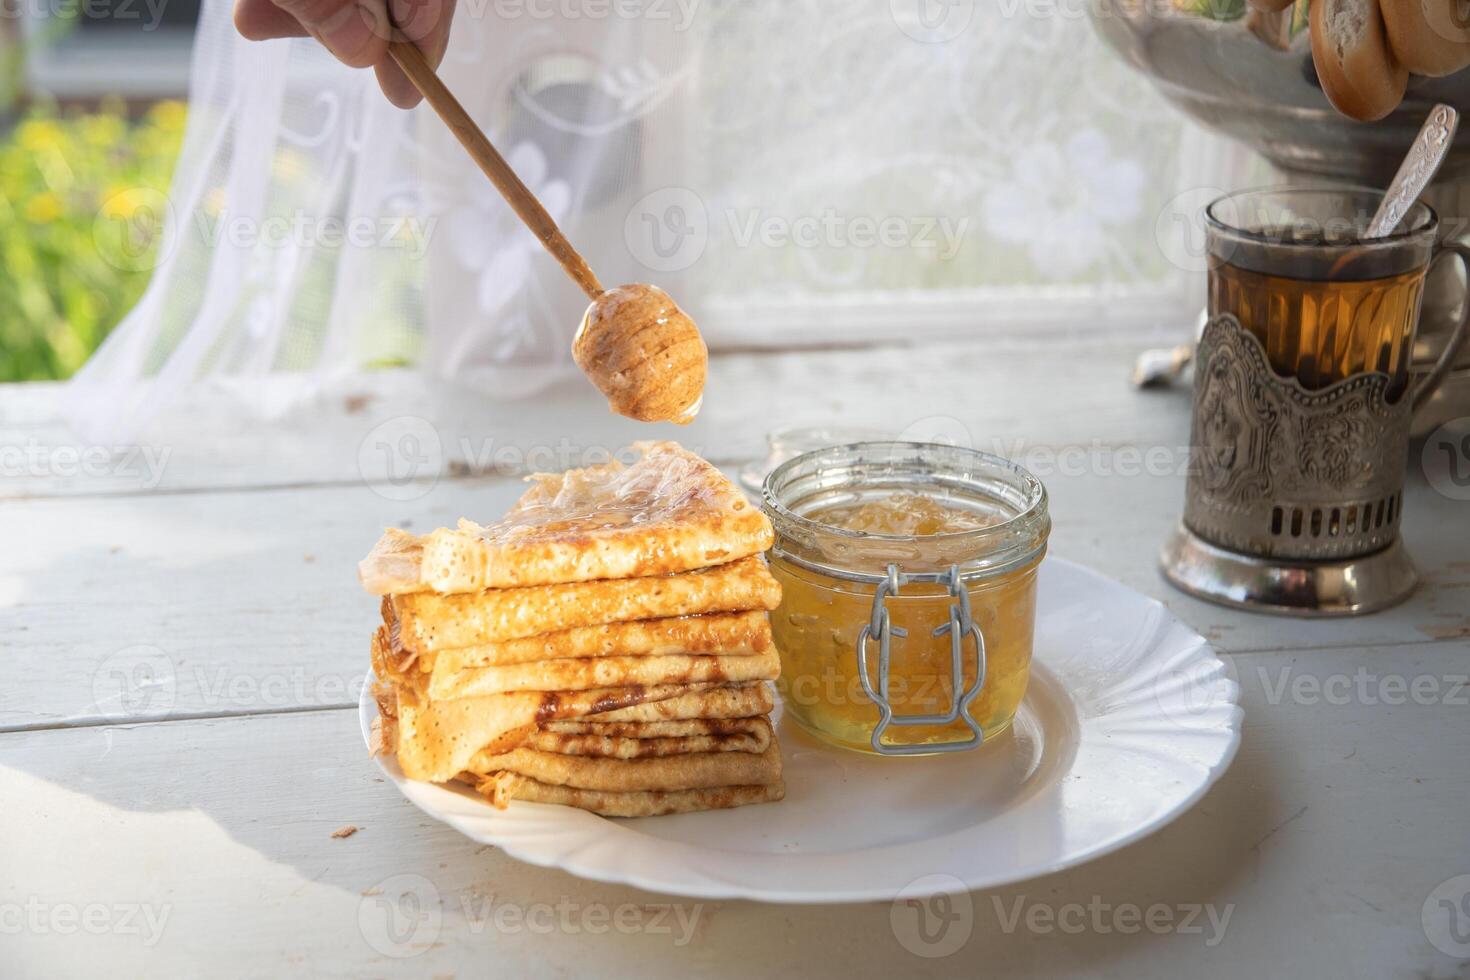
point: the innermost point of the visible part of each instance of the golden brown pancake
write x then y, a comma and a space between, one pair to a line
427, 621
594, 672
501, 788
435, 740
734, 701
723, 633
702, 771
656, 729
755, 738
667, 512
606, 645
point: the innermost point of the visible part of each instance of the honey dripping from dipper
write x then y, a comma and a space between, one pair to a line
644, 353
635, 344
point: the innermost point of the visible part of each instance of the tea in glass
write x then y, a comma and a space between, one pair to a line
1326, 303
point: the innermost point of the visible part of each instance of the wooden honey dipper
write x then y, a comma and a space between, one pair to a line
635, 344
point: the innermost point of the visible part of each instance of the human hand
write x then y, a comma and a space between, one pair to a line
356, 32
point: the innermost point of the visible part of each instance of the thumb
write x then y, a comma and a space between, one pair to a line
355, 31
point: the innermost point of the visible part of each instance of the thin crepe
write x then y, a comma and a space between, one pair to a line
595, 672
723, 633
668, 511
735, 701
435, 740
657, 729
755, 739
426, 622
395, 666
501, 788
703, 771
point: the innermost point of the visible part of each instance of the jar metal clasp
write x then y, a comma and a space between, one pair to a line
880, 628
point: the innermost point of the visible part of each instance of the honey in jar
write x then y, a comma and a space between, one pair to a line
952, 539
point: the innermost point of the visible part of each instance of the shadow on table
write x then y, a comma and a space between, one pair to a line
280, 785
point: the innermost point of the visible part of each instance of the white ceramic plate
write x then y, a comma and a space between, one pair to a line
1128, 719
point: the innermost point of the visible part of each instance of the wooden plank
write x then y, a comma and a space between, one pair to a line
218, 603
212, 603
394, 423
1321, 844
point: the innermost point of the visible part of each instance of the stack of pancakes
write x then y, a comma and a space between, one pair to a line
606, 645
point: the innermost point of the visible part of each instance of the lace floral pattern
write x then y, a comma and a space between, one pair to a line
794, 172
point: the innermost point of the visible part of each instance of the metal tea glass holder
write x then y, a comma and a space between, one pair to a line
1294, 497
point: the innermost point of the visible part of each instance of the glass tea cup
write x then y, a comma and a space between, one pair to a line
1293, 265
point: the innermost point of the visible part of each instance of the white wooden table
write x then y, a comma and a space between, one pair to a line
183, 647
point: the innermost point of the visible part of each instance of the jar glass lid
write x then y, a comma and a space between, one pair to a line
1003, 509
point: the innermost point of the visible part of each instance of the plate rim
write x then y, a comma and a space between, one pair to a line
701, 886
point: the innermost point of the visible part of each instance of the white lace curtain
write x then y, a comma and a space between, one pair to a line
803, 172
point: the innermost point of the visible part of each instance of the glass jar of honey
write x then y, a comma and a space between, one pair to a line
909, 603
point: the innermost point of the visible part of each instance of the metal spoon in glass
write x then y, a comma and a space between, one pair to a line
1419, 167
635, 344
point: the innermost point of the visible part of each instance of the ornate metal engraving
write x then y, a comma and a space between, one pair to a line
1282, 472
